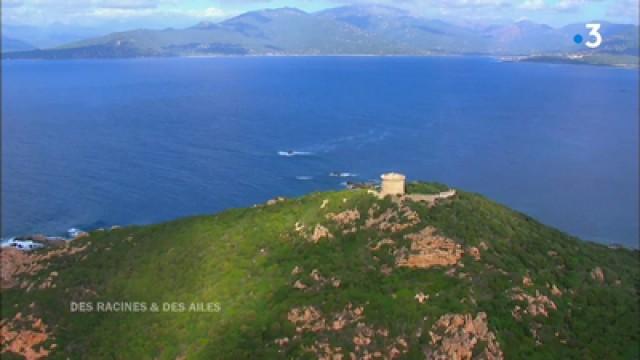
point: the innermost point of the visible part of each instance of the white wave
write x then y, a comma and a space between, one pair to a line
343, 174
5, 242
294, 153
74, 233
304, 178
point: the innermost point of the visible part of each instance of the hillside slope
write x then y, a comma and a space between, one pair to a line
328, 274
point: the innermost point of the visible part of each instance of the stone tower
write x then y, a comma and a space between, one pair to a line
392, 184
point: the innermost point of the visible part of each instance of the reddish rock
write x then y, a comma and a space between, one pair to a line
474, 252
345, 218
454, 336
393, 219
320, 232
429, 249
23, 340
538, 305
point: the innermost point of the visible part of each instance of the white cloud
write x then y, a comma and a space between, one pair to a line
86, 12
158, 11
119, 13
625, 9
214, 12
533, 5
568, 5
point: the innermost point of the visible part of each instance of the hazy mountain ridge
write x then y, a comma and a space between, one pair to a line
10, 44
349, 30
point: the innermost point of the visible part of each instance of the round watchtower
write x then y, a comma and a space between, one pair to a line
392, 184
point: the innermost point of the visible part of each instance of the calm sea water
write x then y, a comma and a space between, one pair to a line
96, 143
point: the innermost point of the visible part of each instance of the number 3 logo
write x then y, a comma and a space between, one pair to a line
596, 34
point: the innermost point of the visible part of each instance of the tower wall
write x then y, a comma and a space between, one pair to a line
393, 184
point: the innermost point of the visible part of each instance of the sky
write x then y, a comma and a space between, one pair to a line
127, 14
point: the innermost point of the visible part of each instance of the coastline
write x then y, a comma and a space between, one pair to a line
543, 59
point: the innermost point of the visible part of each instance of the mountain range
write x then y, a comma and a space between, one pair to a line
349, 30
11, 44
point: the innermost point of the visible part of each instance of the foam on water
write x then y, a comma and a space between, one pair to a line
294, 153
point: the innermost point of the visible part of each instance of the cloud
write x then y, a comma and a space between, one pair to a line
568, 5
625, 9
12, 3
119, 13
533, 5
126, 4
87, 4
158, 11
86, 12
214, 12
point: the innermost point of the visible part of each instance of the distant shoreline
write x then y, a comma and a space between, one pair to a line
543, 59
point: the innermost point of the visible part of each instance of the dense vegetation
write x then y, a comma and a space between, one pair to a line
243, 260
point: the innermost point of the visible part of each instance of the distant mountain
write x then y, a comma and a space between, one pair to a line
11, 44
55, 34
279, 31
620, 39
398, 26
348, 30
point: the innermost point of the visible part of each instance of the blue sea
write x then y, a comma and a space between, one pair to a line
93, 143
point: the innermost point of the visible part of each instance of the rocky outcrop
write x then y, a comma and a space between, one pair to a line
368, 342
320, 232
15, 263
345, 218
317, 281
348, 316
474, 252
392, 219
309, 319
306, 319
538, 305
421, 297
455, 336
597, 274
429, 249
25, 336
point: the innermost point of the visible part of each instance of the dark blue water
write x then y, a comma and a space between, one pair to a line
92, 143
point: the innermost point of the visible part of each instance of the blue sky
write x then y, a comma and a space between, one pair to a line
179, 13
